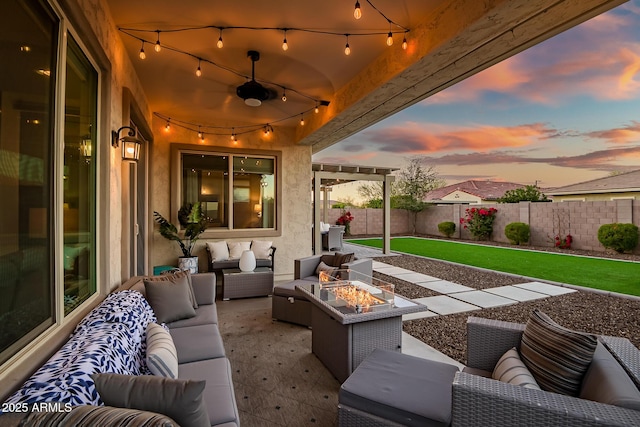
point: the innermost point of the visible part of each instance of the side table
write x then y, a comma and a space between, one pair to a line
244, 284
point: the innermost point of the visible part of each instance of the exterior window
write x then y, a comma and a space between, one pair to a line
237, 191
28, 36
81, 97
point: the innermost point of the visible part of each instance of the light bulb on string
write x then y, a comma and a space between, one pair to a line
199, 70
220, 44
404, 43
201, 137
285, 45
347, 49
390, 39
357, 12
157, 47
284, 95
301, 120
316, 110
167, 127
199, 132
142, 55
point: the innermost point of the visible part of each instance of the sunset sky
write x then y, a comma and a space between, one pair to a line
565, 111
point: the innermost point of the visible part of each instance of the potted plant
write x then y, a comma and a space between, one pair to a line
194, 223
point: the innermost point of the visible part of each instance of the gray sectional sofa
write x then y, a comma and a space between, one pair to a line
109, 346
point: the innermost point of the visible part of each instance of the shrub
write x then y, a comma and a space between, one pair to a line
479, 222
447, 228
517, 232
619, 237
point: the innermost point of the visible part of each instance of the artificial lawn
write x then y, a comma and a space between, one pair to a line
598, 273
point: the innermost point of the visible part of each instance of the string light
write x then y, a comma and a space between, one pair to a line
357, 12
220, 44
233, 135
142, 55
201, 137
167, 127
267, 129
404, 43
285, 46
347, 49
157, 47
390, 39
284, 95
316, 110
301, 120
199, 70
199, 132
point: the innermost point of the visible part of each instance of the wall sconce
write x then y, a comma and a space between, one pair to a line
85, 148
130, 143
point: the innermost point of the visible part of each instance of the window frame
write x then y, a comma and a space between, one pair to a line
178, 149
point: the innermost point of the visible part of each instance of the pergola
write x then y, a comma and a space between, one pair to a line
326, 175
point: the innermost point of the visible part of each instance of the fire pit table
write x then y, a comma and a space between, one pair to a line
351, 318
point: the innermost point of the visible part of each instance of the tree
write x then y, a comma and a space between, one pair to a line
414, 182
529, 193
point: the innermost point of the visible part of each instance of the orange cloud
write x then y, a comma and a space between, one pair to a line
414, 137
629, 133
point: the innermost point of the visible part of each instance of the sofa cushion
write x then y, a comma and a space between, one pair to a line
236, 249
205, 315
170, 300
96, 345
511, 369
197, 343
607, 382
162, 357
230, 263
343, 258
404, 389
557, 357
174, 276
219, 250
289, 289
92, 416
261, 248
218, 394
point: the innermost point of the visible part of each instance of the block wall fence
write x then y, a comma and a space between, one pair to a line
580, 219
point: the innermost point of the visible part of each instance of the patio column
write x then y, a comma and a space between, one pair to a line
386, 214
317, 237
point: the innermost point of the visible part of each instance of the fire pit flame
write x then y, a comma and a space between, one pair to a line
357, 298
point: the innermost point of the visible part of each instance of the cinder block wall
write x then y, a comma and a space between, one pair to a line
580, 219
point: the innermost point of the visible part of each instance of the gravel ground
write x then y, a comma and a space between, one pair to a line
583, 310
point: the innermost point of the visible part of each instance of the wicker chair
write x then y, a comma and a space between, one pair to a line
481, 401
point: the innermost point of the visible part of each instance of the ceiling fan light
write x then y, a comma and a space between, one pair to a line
253, 102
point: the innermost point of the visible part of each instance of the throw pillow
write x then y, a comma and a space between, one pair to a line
510, 369
557, 357
162, 357
327, 269
170, 300
173, 275
91, 416
236, 249
219, 250
261, 248
343, 258
181, 400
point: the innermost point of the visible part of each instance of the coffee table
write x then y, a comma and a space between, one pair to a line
342, 338
244, 284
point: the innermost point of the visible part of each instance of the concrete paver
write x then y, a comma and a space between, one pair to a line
419, 315
443, 304
483, 299
445, 287
515, 293
545, 288
414, 277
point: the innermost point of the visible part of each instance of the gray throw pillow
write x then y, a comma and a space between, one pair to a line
331, 271
557, 357
169, 299
172, 276
182, 400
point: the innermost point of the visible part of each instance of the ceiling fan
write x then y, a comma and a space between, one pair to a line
253, 92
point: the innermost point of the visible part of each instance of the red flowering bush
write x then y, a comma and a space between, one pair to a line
561, 243
345, 219
479, 222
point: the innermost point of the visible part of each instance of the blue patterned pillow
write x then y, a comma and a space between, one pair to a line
97, 345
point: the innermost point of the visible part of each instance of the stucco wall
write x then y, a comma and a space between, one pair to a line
295, 239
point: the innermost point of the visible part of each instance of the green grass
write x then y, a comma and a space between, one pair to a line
598, 273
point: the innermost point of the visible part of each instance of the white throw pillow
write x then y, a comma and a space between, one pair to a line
325, 227
162, 357
236, 249
261, 248
219, 250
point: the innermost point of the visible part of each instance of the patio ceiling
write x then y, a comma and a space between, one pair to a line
448, 41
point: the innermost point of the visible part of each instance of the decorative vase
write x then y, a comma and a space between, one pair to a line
247, 261
189, 263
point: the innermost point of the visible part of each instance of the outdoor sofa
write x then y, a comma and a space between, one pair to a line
222, 254
393, 389
120, 355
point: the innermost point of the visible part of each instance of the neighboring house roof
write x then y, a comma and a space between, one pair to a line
624, 182
486, 190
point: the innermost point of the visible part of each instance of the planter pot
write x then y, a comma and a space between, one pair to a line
188, 263
247, 261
